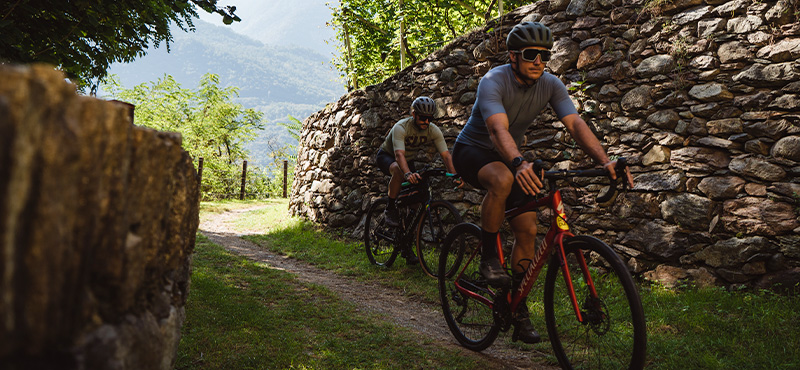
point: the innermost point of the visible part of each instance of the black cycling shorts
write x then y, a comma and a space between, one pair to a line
384, 160
468, 160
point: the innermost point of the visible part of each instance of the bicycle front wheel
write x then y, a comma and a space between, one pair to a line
436, 221
379, 238
466, 296
612, 334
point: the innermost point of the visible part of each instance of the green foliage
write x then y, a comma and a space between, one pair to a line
83, 38
372, 30
293, 126
212, 125
279, 152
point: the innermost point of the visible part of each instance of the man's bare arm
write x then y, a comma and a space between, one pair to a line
584, 136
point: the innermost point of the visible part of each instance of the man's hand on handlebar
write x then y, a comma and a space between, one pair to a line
458, 181
611, 168
412, 177
528, 180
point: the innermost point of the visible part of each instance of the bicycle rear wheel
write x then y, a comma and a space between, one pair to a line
436, 221
613, 334
466, 296
379, 238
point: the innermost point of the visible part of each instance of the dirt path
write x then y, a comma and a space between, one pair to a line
389, 304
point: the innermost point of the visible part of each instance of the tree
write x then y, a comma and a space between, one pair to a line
84, 37
369, 32
213, 127
282, 153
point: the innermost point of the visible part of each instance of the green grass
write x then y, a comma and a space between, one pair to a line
306, 241
242, 314
245, 315
235, 307
718, 329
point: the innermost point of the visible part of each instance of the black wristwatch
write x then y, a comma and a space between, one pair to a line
516, 162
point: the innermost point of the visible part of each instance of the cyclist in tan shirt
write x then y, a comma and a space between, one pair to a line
405, 139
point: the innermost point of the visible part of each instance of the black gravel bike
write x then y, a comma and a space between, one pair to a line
423, 221
592, 307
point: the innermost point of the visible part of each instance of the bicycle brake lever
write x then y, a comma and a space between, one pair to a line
607, 199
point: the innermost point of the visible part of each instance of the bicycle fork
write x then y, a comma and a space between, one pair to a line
562, 256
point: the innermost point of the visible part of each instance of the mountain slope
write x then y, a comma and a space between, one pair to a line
277, 80
268, 73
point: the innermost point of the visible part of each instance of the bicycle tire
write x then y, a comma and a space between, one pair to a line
470, 320
614, 334
379, 238
436, 221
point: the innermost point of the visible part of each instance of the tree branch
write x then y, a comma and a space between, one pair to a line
365, 21
471, 9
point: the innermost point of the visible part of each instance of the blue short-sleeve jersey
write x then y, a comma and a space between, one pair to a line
500, 92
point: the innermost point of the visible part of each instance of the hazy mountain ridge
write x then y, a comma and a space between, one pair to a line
277, 80
269, 73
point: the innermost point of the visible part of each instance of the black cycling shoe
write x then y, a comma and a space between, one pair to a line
494, 274
392, 217
523, 329
411, 258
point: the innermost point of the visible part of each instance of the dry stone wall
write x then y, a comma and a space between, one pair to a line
703, 97
97, 224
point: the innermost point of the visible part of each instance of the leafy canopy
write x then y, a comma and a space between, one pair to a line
84, 37
372, 30
213, 127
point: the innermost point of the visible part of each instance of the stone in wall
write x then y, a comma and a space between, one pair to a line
701, 96
97, 221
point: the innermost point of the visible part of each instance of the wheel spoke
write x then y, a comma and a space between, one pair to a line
470, 320
612, 335
378, 237
439, 218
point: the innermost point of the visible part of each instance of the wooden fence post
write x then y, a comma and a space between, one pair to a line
200, 173
244, 179
285, 175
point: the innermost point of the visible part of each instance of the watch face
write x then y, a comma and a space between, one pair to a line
516, 161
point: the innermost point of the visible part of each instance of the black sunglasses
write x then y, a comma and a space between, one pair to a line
422, 117
531, 54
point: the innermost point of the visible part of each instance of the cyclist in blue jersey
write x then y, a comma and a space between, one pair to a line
486, 153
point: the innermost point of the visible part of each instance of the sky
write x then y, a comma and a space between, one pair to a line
282, 22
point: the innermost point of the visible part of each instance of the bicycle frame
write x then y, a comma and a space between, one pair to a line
552, 243
408, 231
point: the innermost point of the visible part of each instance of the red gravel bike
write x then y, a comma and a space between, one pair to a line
592, 308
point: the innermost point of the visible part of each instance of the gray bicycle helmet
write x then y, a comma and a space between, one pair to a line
424, 105
528, 34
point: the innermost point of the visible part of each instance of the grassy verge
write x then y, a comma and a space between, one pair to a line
687, 329
244, 315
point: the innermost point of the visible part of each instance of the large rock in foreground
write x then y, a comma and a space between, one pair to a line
97, 224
